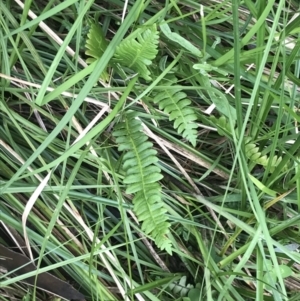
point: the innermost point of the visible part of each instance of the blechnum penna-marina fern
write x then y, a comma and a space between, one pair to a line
175, 103
137, 54
141, 178
96, 45
251, 149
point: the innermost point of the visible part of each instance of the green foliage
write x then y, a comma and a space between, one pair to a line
137, 54
133, 53
222, 125
141, 178
255, 156
204, 68
175, 37
182, 288
270, 276
95, 46
175, 102
249, 70
142, 175
251, 149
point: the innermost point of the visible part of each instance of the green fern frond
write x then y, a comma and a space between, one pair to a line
175, 103
222, 125
95, 46
255, 156
181, 287
141, 178
137, 54
251, 149
96, 43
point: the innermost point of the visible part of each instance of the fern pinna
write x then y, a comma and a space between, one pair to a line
141, 178
175, 102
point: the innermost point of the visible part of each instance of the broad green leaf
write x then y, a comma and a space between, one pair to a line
175, 37
285, 270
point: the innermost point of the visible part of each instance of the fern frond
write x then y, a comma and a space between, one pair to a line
96, 43
222, 125
251, 149
255, 156
138, 54
141, 178
95, 46
175, 102
181, 287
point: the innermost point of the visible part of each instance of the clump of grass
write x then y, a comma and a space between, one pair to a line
218, 100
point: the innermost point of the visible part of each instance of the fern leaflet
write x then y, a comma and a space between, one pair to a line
175, 102
141, 178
